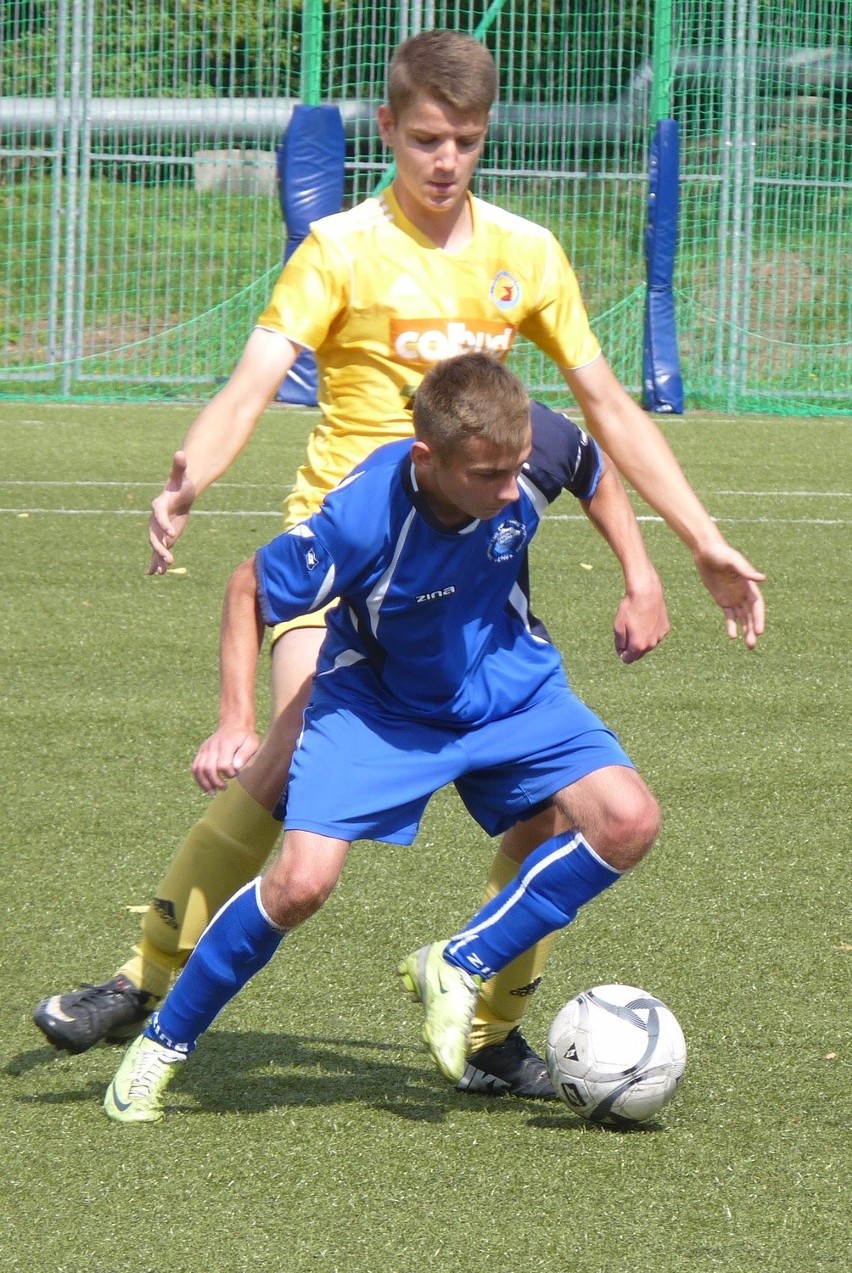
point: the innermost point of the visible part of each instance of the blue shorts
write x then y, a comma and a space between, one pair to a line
358, 776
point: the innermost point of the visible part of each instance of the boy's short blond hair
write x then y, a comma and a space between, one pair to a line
471, 396
447, 66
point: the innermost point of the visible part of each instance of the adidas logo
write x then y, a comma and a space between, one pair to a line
524, 991
166, 911
405, 285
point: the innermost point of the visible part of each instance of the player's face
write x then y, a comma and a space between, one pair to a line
435, 150
477, 481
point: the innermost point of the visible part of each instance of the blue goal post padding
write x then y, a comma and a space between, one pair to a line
311, 160
661, 376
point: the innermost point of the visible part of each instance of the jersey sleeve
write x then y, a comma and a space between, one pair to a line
295, 575
563, 457
558, 323
310, 293
327, 555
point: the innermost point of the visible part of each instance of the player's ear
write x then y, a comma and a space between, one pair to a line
421, 455
385, 121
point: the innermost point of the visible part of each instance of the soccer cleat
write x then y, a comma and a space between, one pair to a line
74, 1022
449, 998
135, 1095
510, 1067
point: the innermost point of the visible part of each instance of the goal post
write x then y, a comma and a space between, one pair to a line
662, 383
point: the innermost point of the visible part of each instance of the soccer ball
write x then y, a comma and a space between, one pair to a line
615, 1055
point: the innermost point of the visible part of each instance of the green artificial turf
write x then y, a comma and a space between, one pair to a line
310, 1131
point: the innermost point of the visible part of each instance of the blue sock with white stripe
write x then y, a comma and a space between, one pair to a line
558, 878
237, 943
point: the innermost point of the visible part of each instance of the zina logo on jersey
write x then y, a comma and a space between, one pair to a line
430, 340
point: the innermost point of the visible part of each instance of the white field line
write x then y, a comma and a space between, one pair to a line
551, 517
282, 489
145, 486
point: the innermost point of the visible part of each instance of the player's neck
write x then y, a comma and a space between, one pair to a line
448, 228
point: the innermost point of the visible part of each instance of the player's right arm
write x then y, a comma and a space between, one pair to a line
240, 643
216, 437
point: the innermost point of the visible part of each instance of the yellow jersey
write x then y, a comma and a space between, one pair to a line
378, 304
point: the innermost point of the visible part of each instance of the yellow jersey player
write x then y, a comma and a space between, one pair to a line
381, 293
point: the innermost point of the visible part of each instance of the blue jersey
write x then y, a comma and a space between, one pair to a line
431, 622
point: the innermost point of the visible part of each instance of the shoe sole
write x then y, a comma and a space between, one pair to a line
411, 988
407, 972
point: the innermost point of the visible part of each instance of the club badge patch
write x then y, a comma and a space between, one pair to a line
507, 540
505, 290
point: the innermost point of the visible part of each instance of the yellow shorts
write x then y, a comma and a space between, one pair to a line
316, 619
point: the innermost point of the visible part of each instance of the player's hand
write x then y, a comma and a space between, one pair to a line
641, 621
169, 514
222, 756
732, 582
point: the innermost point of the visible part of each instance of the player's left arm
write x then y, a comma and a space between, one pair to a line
641, 621
642, 454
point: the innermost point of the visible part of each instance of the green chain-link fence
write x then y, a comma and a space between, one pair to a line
142, 229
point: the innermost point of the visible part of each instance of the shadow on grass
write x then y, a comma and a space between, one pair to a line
32, 1059
562, 1119
249, 1072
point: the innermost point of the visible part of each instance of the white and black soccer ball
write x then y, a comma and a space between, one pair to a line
615, 1055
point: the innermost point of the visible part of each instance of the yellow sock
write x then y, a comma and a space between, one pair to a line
504, 999
221, 853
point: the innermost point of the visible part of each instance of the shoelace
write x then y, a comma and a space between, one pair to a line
149, 1070
89, 990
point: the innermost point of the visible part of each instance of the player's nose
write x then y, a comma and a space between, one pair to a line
447, 155
509, 490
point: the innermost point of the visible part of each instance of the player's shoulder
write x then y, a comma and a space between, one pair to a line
363, 218
492, 216
391, 453
563, 455
370, 487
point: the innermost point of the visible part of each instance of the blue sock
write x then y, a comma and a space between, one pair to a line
237, 943
552, 884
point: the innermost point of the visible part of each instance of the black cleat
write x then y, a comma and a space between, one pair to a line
76, 1021
510, 1067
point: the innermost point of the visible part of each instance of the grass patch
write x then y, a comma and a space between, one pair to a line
311, 1132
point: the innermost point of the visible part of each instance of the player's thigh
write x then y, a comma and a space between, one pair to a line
294, 659
294, 656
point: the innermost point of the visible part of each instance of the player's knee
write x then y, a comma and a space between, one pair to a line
292, 896
631, 825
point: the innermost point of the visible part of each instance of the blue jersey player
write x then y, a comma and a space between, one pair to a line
433, 671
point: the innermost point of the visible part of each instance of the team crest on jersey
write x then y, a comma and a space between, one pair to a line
505, 290
311, 559
507, 540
